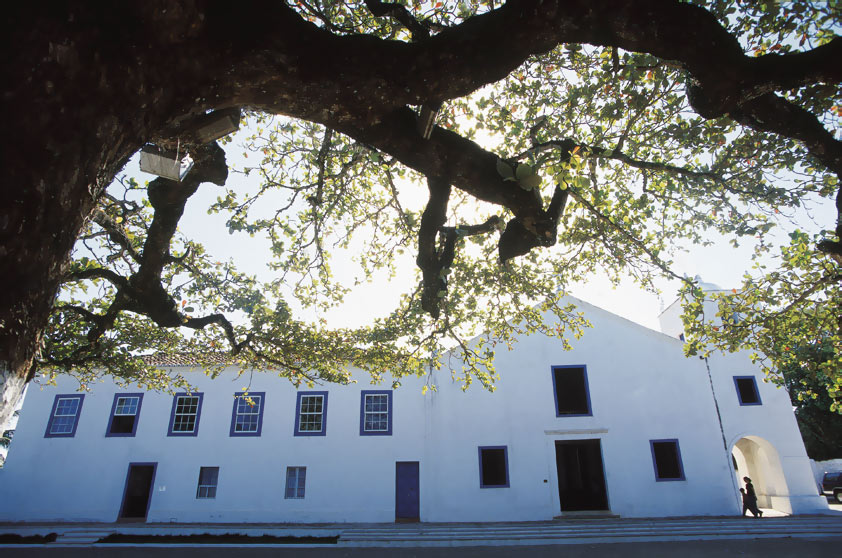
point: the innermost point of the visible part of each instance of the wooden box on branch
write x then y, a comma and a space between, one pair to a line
216, 124
164, 162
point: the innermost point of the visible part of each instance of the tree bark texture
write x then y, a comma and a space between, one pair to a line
86, 84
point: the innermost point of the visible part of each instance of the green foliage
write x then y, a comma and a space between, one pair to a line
646, 177
787, 308
805, 377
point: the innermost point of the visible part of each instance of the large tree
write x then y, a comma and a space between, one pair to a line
555, 138
804, 377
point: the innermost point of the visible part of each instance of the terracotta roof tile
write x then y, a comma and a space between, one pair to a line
183, 359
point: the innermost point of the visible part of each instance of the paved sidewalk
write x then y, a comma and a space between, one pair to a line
565, 531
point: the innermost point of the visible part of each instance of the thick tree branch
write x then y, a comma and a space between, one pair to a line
429, 259
490, 224
96, 273
143, 292
221, 321
150, 68
168, 199
493, 44
783, 72
401, 14
522, 235
435, 258
446, 154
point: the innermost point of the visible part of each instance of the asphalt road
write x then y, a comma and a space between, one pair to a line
765, 548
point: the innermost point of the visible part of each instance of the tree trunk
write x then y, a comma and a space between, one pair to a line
50, 192
69, 132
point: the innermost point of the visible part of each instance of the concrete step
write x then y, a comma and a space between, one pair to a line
600, 530
563, 531
81, 537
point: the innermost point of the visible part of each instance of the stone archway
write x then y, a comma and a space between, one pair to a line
756, 458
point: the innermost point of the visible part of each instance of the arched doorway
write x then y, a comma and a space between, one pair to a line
756, 458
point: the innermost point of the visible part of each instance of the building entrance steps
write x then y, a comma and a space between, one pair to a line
564, 531
580, 531
81, 537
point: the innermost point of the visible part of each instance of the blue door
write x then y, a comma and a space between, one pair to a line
407, 498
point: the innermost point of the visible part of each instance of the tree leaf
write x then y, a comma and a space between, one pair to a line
504, 170
530, 182
523, 170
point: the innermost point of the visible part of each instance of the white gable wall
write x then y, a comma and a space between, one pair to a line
639, 392
780, 430
773, 422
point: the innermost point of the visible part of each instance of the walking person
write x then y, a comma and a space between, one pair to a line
746, 503
750, 499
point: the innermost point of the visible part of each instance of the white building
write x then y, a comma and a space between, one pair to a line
623, 424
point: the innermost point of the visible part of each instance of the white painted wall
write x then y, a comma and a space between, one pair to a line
349, 477
771, 425
641, 388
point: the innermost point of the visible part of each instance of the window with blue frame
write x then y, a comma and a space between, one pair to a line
186, 411
64, 416
376, 413
311, 413
493, 467
296, 478
125, 412
570, 386
247, 416
666, 457
747, 390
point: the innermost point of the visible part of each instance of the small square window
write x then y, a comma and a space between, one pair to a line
64, 417
376, 413
186, 410
493, 467
311, 413
125, 412
208, 479
667, 460
296, 477
570, 385
747, 390
247, 416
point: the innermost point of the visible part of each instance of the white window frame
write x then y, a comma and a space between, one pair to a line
67, 429
207, 491
301, 413
386, 414
195, 414
255, 410
119, 410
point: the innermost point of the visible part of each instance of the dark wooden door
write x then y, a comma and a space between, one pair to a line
581, 478
138, 491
